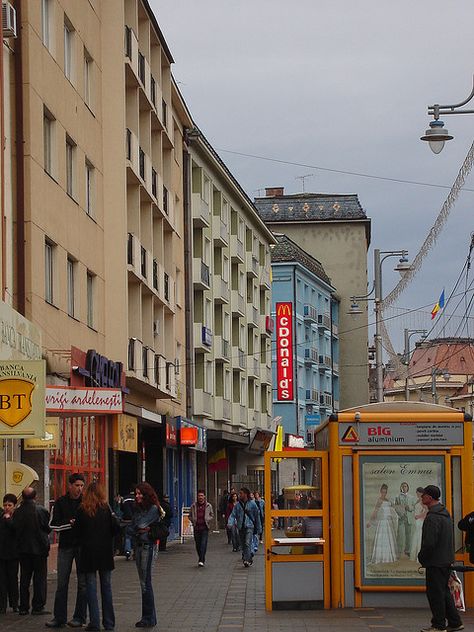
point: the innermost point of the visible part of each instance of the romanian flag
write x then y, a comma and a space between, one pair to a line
439, 305
218, 461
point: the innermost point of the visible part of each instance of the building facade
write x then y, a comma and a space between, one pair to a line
336, 230
231, 324
300, 282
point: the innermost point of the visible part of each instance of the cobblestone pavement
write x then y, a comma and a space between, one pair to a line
224, 597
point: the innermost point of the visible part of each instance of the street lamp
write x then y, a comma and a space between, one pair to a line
406, 354
403, 266
435, 371
437, 135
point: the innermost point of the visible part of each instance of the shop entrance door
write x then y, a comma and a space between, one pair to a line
297, 547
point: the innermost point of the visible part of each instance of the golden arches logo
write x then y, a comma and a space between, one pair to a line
283, 309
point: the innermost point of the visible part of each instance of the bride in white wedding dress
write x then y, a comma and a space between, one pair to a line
385, 520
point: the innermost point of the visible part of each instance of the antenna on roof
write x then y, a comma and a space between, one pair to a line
302, 178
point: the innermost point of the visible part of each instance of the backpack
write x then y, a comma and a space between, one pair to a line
158, 531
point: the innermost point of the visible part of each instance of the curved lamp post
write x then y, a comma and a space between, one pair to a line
436, 135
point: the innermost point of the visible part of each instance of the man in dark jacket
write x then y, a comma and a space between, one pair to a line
31, 524
467, 525
128, 508
62, 520
437, 555
8, 556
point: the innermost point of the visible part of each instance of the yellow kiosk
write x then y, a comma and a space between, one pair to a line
368, 468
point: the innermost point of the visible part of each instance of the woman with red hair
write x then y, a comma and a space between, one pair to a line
96, 528
147, 511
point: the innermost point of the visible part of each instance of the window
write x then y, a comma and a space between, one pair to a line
225, 269
90, 299
227, 385
46, 22
48, 141
70, 286
89, 188
70, 159
68, 49
88, 65
209, 377
48, 271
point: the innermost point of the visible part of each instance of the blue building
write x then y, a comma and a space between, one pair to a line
300, 279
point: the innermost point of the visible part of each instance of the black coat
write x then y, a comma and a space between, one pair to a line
31, 524
65, 510
467, 525
437, 543
8, 547
96, 536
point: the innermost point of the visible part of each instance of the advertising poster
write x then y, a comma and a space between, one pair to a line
392, 515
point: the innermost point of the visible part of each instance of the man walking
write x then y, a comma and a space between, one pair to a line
31, 524
201, 516
247, 519
436, 556
62, 520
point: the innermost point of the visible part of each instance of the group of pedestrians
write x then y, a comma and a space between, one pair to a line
86, 528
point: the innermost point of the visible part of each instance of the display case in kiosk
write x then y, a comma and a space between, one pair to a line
379, 456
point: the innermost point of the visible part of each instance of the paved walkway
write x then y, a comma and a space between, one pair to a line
224, 597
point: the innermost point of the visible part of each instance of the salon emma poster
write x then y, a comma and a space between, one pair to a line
392, 515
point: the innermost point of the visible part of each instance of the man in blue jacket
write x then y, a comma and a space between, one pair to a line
247, 519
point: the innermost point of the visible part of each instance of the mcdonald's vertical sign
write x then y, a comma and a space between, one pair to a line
284, 351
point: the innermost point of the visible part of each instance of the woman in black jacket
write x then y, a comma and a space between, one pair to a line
96, 527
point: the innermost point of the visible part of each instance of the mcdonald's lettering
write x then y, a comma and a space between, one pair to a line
284, 351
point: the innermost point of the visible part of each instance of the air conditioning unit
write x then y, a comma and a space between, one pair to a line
156, 327
8, 20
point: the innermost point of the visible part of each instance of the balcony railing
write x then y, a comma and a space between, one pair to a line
311, 355
225, 348
242, 359
141, 67
128, 42
141, 163
205, 274
310, 313
324, 321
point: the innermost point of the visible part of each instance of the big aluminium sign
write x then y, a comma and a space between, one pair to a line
284, 351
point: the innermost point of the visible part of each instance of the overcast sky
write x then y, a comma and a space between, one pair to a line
343, 85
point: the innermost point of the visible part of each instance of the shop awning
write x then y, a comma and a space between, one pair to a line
230, 437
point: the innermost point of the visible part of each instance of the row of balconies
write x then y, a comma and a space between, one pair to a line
311, 356
138, 74
151, 369
141, 166
314, 396
310, 315
151, 272
220, 408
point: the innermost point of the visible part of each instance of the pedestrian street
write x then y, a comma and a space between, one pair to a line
223, 597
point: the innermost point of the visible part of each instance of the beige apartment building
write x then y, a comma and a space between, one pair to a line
97, 227
335, 230
232, 316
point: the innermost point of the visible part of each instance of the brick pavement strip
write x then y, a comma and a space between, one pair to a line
223, 597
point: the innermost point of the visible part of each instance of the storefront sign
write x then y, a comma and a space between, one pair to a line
171, 429
125, 433
294, 442
19, 338
423, 434
284, 351
313, 419
50, 441
259, 440
189, 436
19, 476
201, 441
22, 412
102, 371
83, 401
392, 515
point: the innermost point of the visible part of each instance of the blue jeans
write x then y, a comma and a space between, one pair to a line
108, 616
246, 539
66, 557
255, 540
200, 539
144, 560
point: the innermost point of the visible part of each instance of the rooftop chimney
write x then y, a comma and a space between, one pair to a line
274, 191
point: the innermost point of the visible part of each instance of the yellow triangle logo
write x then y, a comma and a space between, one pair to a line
350, 436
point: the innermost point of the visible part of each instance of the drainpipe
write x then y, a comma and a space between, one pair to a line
188, 284
20, 170
2, 169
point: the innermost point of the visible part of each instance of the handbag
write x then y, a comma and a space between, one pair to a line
158, 531
455, 587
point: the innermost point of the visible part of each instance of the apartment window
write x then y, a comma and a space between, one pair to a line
227, 385
209, 377
90, 299
70, 159
153, 90
208, 314
46, 10
70, 285
48, 141
89, 188
206, 189
225, 269
48, 271
141, 67
68, 49
88, 65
